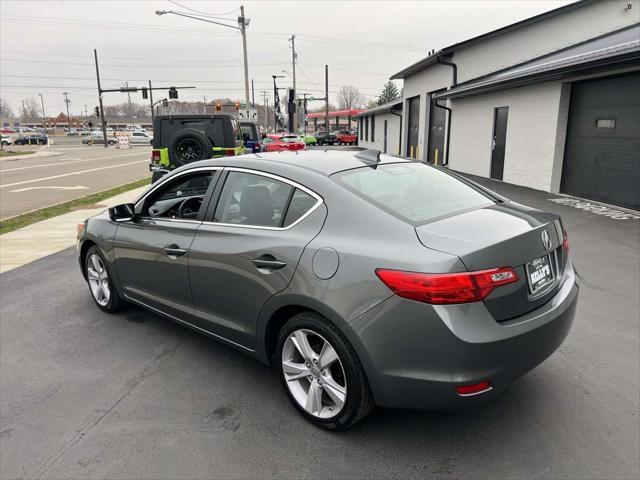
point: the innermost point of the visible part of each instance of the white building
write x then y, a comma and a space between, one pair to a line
551, 102
381, 128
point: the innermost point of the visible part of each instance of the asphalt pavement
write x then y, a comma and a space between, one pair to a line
87, 395
27, 184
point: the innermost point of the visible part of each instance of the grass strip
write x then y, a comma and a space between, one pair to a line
25, 219
15, 153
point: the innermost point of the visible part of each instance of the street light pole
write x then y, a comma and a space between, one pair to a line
104, 125
67, 101
243, 23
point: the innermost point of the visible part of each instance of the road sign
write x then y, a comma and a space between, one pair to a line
248, 114
123, 142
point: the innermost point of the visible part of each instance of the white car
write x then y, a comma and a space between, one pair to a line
140, 138
6, 140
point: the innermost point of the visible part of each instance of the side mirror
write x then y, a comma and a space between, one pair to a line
123, 213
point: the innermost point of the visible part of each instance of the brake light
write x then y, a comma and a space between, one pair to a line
446, 288
565, 241
155, 156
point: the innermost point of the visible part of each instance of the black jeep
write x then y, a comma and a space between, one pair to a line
182, 139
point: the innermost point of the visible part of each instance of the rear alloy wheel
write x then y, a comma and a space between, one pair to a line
100, 283
322, 373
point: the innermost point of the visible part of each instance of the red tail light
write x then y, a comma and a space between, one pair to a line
155, 156
565, 241
473, 389
230, 152
446, 288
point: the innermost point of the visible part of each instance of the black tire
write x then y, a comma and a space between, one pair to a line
189, 145
115, 301
359, 399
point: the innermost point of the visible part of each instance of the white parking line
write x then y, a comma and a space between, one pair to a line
71, 173
67, 163
27, 189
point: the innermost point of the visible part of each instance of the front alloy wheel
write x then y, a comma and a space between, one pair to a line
100, 283
314, 373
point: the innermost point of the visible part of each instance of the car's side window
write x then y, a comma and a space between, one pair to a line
179, 198
301, 203
249, 199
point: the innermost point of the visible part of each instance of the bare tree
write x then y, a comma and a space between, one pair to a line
349, 97
5, 109
31, 111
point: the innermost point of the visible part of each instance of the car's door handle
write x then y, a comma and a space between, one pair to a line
268, 262
174, 251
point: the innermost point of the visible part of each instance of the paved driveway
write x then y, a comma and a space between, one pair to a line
88, 395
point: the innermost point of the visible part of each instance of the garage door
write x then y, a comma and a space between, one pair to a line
602, 155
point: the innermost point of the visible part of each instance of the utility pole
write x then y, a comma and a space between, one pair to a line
151, 102
126, 84
24, 114
67, 101
44, 117
326, 97
242, 21
265, 120
86, 114
104, 125
253, 95
294, 55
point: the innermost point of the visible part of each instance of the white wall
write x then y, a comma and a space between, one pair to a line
393, 134
554, 33
533, 146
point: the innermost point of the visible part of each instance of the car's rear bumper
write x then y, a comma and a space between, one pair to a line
416, 354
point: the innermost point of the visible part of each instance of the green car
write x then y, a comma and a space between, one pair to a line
309, 139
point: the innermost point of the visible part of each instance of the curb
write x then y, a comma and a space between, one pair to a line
38, 154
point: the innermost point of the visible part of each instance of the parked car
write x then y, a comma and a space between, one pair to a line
403, 285
345, 137
326, 138
309, 139
6, 140
284, 143
8, 131
182, 139
140, 138
32, 139
96, 136
250, 136
72, 132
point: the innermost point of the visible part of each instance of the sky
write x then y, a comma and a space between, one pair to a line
46, 46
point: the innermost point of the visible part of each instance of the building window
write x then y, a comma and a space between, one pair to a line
366, 128
373, 128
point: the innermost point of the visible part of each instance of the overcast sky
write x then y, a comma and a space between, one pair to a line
47, 46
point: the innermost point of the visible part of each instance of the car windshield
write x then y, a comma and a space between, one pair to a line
415, 192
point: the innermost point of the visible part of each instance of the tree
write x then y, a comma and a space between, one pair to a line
389, 93
349, 97
5, 109
31, 110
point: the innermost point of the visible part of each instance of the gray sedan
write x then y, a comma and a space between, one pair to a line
365, 278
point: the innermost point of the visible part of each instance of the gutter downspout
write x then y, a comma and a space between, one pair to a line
400, 136
455, 82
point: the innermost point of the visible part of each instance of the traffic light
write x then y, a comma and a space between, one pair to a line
237, 105
173, 93
165, 102
145, 95
96, 111
218, 107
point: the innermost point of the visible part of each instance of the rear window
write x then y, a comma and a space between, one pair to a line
291, 140
415, 192
250, 130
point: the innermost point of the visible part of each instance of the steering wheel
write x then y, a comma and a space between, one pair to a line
189, 207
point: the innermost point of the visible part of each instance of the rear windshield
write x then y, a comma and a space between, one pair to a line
415, 192
291, 139
250, 130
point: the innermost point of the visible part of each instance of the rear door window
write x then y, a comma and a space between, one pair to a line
415, 192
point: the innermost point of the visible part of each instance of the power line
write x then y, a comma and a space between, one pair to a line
205, 14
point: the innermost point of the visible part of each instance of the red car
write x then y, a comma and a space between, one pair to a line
282, 143
345, 137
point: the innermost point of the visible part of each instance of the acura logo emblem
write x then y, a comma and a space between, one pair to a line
546, 240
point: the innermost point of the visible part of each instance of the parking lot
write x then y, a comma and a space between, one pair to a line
89, 395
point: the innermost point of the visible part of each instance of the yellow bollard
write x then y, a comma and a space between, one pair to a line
411, 152
436, 157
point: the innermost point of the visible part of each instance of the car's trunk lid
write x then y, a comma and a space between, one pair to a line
503, 235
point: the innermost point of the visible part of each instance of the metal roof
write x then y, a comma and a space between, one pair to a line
387, 107
431, 59
620, 48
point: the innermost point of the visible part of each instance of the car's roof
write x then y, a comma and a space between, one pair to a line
323, 162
